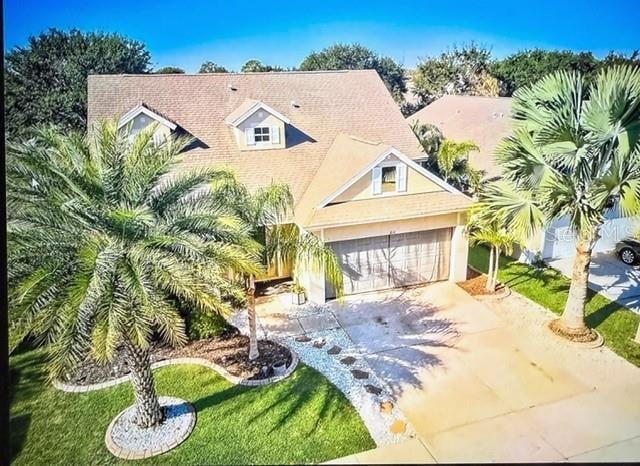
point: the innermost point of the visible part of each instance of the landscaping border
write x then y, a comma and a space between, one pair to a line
72, 388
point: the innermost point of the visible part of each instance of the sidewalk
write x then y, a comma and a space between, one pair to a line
410, 452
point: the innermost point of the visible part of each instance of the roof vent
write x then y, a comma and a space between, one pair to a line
232, 87
294, 104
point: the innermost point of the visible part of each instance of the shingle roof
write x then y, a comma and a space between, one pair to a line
346, 157
386, 208
484, 120
326, 104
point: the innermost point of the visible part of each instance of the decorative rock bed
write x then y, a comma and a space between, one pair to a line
368, 395
125, 439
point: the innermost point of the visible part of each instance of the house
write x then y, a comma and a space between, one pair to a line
486, 121
336, 138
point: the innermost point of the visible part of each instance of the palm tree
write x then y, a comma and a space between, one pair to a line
449, 159
575, 152
268, 210
105, 243
485, 227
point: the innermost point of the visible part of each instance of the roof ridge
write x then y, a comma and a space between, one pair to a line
164, 75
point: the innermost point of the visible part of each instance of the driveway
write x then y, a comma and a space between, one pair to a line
609, 276
483, 383
486, 382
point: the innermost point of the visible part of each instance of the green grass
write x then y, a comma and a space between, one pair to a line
550, 289
302, 419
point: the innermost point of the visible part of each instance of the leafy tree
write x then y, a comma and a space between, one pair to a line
169, 70
212, 67
46, 81
256, 66
575, 157
615, 58
267, 211
104, 247
447, 158
461, 70
484, 227
529, 66
358, 57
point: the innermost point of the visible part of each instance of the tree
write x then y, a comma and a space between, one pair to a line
447, 158
46, 81
529, 66
211, 67
169, 70
358, 57
572, 157
461, 70
267, 211
485, 227
104, 247
256, 66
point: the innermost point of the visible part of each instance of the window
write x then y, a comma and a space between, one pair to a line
261, 134
388, 179
159, 138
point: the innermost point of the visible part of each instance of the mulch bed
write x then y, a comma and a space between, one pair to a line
230, 351
476, 284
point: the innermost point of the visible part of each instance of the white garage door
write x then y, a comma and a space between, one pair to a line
390, 261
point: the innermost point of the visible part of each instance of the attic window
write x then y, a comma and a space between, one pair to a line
388, 179
261, 134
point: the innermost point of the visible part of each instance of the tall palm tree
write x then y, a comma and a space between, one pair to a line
449, 159
484, 227
105, 243
575, 152
268, 210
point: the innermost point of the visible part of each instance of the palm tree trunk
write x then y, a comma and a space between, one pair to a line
496, 266
638, 334
490, 271
149, 413
572, 320
253, 336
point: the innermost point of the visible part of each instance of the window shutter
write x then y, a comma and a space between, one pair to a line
376, 180
401, 182
249, 136
275, 135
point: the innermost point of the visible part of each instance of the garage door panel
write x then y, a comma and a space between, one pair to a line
395, 260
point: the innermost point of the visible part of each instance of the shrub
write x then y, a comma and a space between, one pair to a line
201, 325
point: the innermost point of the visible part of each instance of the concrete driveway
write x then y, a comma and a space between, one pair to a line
483, 383
609, 276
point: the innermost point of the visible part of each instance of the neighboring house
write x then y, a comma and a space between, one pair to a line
337, 139
486, 121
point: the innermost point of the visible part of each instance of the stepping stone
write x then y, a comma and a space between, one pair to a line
373, 389
398, 427
348, 360
303, 339
360, 375
334, 350
386, 407
319, 343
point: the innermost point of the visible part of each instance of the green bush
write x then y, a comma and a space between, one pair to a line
201, 325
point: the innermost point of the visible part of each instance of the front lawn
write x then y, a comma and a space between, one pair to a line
550, 289
302, 419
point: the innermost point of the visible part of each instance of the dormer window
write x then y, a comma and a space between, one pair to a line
261, 134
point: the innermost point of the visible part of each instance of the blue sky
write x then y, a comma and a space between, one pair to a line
187, 33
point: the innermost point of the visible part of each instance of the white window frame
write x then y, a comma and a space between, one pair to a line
401, 182
262, 135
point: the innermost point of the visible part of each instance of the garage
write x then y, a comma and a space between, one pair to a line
394, 260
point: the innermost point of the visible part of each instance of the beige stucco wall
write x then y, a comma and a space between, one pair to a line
260, 118
361, 189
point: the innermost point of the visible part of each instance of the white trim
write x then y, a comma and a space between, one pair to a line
255, 107
325, 226
131, 114
380, 160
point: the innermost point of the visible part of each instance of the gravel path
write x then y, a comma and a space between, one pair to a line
367, 404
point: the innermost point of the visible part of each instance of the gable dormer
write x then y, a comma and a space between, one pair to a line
258, 126
141, 117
